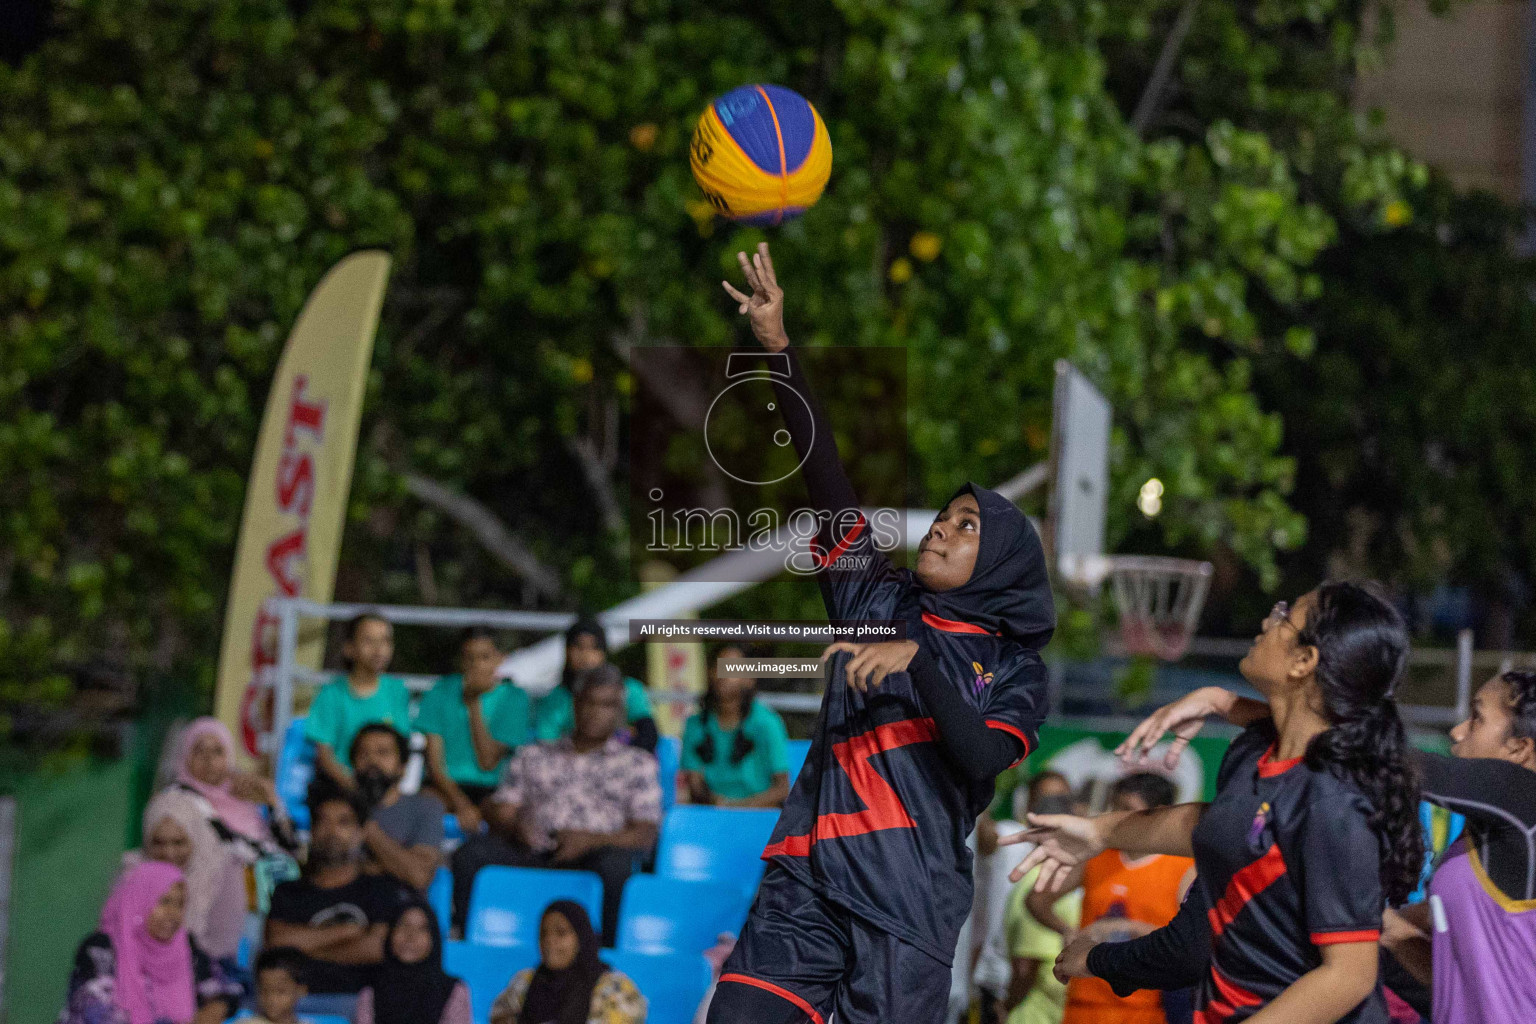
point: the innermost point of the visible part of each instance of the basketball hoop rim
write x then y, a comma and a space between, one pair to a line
1159, 598
1092, 570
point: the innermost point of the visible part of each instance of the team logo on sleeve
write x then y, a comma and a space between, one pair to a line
983, 677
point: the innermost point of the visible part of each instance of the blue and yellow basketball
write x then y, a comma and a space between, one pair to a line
761, 154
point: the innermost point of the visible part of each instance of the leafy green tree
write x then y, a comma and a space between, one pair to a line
175, 176
1404, 424
1410, 423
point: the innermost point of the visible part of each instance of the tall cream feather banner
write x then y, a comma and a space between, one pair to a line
296, 498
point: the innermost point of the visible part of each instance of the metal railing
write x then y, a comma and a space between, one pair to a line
290, 610
1091, 697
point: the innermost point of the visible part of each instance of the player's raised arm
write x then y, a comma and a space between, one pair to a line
843, 528
1064, 841
825, 479
1184, 718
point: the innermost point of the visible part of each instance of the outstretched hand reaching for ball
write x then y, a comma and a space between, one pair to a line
765, 306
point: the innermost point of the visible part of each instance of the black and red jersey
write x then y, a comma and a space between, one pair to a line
1288, 863
878, 818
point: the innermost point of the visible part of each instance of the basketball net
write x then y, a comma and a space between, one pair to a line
1160, 600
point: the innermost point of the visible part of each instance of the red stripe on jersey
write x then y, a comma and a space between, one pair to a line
1244, 886
1012, 731
789, 846
1229, 999
822, 561
783, 993
1233, 994
1335, 938
951, 626
882, 807
1269, 767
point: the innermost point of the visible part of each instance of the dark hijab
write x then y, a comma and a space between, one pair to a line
1009, 592
565, 997
412, 993
585, 625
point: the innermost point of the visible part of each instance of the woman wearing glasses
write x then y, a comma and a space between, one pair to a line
1313, 831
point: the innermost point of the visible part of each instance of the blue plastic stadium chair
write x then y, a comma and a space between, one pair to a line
506, 903
673, 985
295, 767
669, 759
440, 897
665, 915
798, 749
715, 844
486, 970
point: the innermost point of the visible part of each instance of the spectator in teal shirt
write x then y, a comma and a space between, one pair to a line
586, 647
735, 751
366, 695
473, 722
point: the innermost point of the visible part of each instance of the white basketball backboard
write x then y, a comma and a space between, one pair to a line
1080, 461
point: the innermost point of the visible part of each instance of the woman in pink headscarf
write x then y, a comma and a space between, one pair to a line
205, 763
177, 832
141, 967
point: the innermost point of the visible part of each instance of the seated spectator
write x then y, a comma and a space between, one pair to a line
473, 722
411, 987
142, 967
176, 832
336, 915
279, 986
366, 695
403, 834
587, 802
735, 750
238, 805
586, 647
570, 985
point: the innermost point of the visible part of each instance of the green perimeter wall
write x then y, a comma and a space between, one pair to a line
69, 843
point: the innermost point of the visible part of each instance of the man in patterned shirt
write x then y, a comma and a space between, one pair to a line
586, 802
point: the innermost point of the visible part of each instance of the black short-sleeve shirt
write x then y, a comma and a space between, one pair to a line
1288, 863
367, 900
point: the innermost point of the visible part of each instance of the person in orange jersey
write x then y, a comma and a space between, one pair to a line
1123, 898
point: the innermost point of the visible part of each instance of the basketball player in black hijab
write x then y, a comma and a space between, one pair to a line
869, 877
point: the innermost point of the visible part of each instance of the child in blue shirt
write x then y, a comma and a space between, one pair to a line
473, 721
366, 695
